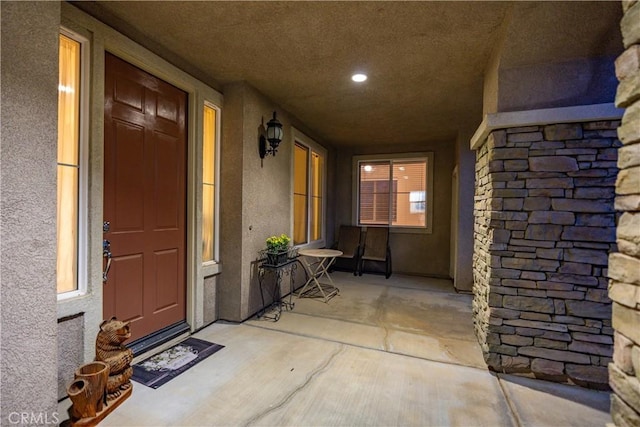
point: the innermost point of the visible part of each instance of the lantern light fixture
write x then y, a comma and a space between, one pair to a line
273, 136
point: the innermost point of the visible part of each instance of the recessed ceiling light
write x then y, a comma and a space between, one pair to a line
359, 77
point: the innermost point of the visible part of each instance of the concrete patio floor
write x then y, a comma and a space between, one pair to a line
382, 353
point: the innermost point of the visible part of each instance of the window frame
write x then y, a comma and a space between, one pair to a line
82, 254
394, 158
211, 267
300, 138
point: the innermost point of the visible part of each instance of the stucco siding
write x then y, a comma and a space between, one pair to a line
231, 203
28, 212
70, 350
582, 81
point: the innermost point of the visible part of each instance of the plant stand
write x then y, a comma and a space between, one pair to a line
275, 308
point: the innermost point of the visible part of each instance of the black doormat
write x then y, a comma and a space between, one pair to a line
161, 368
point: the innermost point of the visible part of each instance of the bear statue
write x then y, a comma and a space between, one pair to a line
109, 349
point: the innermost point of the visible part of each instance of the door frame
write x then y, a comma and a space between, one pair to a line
453, 235
104, 38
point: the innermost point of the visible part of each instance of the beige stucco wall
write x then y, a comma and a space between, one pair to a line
256, 196
581, 81
70, 350
412, 253
490, 83
463, 248
229, 289
517, 79
28, 210
266, 192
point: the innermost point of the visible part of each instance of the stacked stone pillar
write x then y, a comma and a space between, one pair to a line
544, 228
624, 265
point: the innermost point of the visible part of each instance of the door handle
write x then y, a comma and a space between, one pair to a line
106, 253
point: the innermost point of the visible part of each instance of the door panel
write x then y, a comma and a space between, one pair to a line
129, 292
166, 295
144, 198
128, 191
167, 206
129, 93
167, 108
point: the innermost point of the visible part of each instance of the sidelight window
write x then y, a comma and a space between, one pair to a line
209, 145
71, 200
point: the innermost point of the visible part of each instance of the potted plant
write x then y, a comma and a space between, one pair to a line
278, 249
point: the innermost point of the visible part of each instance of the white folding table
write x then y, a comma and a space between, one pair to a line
316, 263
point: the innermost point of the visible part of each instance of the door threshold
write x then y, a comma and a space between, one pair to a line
158, 338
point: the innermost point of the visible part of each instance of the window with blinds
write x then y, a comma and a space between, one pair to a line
392, 192
376, 207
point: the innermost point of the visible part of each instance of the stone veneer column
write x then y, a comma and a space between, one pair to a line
624, 266
544, 226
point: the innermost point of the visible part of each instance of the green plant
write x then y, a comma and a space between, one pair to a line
278, 243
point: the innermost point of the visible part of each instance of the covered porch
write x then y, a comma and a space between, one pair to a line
384, 352
534, 81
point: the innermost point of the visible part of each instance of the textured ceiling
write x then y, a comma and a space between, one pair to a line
425, 60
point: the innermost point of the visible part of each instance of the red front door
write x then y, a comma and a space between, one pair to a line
144, 198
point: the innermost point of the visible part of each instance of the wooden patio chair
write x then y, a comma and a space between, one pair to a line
349, 238
376, 255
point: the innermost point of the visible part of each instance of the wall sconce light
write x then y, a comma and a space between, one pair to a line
273, 135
